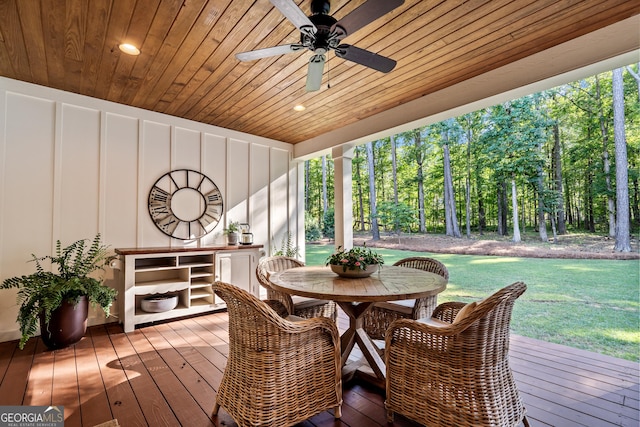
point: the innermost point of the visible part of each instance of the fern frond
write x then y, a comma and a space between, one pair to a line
287, 247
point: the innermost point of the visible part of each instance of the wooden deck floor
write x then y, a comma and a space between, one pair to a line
167, 375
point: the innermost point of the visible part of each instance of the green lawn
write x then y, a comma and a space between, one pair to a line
588, 304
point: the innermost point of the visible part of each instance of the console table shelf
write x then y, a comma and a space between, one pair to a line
188, 273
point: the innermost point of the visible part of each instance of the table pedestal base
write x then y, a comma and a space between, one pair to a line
355, 334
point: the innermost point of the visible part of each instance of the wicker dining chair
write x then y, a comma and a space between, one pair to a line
453, 368
298, 306
279, 373
382, 314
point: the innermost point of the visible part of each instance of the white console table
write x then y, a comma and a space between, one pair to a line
185, 272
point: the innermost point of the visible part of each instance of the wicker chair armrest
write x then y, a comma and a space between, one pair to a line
425, 326
447, 311
299, 326
421, 339
306, 325
416, 340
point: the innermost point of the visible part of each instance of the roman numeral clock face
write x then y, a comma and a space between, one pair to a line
185, 204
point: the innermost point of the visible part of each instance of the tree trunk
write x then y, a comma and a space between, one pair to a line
606, 162
448, 229
360, 193
610, 200
394, 172
525, 211
419, 160
623, 243
467, 187
502, 208
557, 166
375, 231
307, 179
636, 203
569, 208
542, 204
505, 208
451, 219
553, 228
325, 201
636, 184
542, 224
467, 205
514, 202
589, 220
482, 219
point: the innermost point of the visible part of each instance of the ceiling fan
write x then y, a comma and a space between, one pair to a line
321, 32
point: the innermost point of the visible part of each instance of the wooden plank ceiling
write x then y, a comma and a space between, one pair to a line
187, 67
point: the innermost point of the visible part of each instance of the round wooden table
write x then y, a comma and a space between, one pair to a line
356, 295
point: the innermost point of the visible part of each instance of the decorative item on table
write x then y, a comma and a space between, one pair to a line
355, 262
159, 303
232, 232
246, 236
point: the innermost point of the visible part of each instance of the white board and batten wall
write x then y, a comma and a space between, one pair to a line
72, 166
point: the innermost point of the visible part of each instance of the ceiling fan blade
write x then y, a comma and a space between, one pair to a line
365, 57
365, 14
293, 13
268, 51
314, 74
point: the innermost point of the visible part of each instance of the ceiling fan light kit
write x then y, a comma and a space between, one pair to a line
321, 33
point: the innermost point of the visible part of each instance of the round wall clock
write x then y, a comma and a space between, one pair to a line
185, 204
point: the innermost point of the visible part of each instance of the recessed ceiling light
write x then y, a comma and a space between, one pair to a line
129, 49
299, 107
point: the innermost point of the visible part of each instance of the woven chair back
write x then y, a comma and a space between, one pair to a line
425, 263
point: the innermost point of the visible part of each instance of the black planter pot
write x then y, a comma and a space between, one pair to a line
67, 326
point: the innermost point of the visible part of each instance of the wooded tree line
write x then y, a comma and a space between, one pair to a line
563, 159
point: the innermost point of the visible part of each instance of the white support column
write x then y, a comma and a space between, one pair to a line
343, 204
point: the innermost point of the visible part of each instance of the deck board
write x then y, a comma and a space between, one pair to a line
40, 384
13, 388
122, 399
167, 375
93, 393
65, 385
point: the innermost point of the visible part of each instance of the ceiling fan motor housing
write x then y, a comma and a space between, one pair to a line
320, 7
324, 38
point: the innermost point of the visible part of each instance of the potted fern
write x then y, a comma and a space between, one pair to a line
59, 302
232, 232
